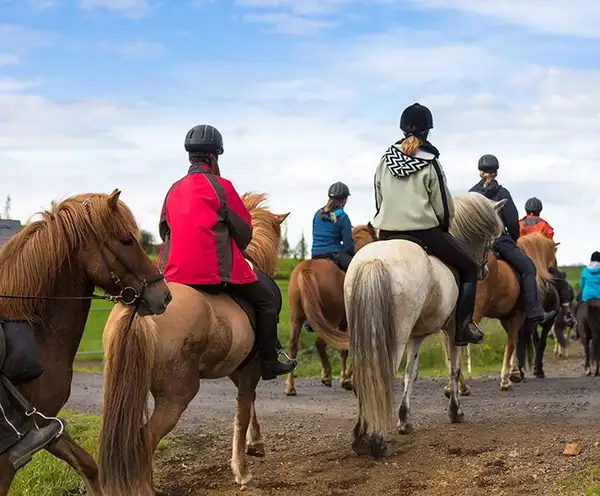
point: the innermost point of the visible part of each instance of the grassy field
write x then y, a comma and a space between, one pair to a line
485, 358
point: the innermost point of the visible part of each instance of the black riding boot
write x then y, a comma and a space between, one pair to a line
269, 347
467, 331
20, 438
533, 306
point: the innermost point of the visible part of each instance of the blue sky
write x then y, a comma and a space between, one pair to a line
97, 94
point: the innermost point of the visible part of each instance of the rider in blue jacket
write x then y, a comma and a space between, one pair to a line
332, 229
589, 281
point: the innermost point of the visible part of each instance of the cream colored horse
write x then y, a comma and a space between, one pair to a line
200, 336
396, 294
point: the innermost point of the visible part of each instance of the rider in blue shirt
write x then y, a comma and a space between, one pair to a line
332, 229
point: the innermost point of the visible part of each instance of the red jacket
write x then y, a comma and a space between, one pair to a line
534, 223
205, 227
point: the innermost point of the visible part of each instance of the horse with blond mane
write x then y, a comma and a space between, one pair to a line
498, 297
49, 271
395, 293
316, 295
200, 336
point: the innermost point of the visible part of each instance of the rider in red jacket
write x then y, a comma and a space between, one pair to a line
206, 227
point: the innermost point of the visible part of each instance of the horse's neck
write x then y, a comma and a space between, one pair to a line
64, 320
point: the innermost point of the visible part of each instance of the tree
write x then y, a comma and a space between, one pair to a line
7, 207
302, 248
147, 241
285, 250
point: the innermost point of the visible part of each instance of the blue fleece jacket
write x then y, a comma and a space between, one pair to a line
589, 282
330, 236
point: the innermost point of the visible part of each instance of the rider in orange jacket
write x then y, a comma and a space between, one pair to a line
532, 222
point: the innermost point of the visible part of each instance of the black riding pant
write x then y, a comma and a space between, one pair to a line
449, 250
266, 305
341, 259
526, 268
561, 285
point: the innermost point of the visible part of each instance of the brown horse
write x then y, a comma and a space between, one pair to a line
316, 294
200, 336
498, 298
85, 241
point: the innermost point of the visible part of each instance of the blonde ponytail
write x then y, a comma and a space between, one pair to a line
410, 145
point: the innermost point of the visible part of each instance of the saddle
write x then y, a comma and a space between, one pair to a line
19, 360
331, 257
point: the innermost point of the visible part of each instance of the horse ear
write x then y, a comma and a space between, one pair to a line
281, 217
113, 199
499, 204
556, 244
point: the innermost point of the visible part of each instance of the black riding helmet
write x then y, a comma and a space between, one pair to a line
204, 139
533, 206
338, 191
416, 120
596, 256
488, 163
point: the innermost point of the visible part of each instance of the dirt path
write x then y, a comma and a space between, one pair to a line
510, 442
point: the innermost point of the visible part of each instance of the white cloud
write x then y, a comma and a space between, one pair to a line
283, 22
128, 7
134, 48
8, 59
572, 17
10, 84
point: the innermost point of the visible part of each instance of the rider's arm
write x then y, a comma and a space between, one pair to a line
549, 231
510, 216
346, 231
238, 218
582, 280
163, 223
439, 196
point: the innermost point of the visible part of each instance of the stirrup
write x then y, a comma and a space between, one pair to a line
33, 412
286, 356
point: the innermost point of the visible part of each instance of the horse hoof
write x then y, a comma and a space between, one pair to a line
588, 372
291, 392
326, 382
256, 450
347, 385
457, 418
447, 392
515, 378
466, 391
506, 387
540, 374
360, 447
406, 429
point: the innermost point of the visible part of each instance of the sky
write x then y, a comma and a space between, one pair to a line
99, 94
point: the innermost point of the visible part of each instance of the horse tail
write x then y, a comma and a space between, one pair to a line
593, 323
313, 309
125, 448
560, 326
371, 324
541, 251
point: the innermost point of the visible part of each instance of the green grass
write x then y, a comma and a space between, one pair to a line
485, 358
46, 475
587, 481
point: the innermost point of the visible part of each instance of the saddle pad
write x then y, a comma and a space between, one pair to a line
20, 361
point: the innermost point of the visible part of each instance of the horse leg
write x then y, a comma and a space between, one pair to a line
345, 378
511, 328
246, 381
255, 445
454, 411
326, 375
296, 320
540, 349
7, 474
463, 388
410, 375
68, 450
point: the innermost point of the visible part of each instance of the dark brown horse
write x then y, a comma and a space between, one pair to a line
316, 295
85, 241
588, 321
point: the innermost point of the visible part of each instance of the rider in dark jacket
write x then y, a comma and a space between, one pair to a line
506, 245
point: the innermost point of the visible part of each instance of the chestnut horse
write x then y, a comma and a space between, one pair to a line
498, 297
200, 336
316, 295
55, 263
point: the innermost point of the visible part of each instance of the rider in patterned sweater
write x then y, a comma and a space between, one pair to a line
506, 244
532, 222
412, 198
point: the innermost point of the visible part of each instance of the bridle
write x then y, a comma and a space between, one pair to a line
127, 295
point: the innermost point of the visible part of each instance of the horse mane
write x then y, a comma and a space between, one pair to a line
32, 260
475, 222
263, 250
363, 234
542, 252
